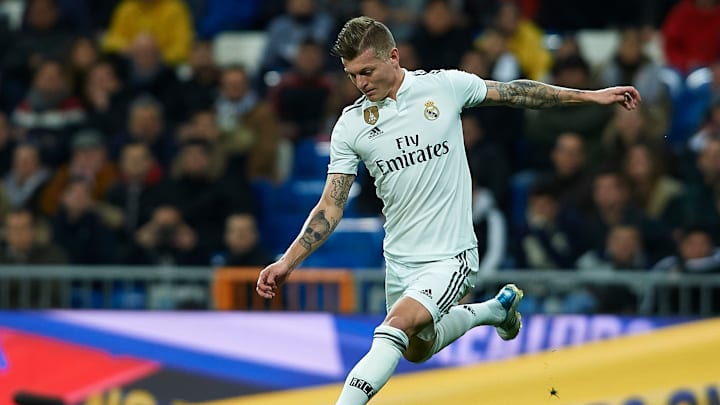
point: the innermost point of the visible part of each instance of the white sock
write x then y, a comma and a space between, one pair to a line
462, 318
374, 370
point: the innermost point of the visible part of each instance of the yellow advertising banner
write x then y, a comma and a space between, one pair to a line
674, 366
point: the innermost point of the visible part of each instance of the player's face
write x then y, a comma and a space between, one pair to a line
373, 76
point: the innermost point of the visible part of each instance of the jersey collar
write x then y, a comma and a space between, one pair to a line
408, 79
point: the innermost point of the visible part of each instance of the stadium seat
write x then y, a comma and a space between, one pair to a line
311, 159
356, 243
240, 48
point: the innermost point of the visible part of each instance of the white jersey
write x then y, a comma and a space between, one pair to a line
414, 149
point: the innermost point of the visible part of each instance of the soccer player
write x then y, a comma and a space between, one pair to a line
406, 128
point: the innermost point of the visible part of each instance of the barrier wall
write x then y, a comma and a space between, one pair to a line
118, 358
676, 366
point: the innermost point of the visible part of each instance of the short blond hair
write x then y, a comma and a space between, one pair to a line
360, 34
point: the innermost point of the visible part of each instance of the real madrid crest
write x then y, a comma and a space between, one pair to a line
371, 114
431, 112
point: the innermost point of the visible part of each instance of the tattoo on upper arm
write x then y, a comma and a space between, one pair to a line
340, 189
318, 229
531, 94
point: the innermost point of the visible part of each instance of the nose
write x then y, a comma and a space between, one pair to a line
361, 83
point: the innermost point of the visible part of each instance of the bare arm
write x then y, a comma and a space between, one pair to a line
317, 228
532, 94
322, 219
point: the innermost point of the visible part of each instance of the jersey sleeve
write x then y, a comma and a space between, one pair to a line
343, 158
470, 90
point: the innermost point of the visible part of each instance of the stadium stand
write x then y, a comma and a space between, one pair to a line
218, 135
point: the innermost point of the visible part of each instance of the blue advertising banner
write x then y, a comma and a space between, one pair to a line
201, 356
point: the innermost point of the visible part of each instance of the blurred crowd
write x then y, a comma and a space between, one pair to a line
123, 141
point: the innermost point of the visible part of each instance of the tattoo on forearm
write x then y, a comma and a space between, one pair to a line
318, 230
341, 189
532, 94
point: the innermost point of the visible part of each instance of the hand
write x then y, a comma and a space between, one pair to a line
271, 278
626, 96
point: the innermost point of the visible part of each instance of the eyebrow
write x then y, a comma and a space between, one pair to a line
364, 68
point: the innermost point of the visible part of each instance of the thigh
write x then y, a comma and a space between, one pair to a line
395, 285
441, 285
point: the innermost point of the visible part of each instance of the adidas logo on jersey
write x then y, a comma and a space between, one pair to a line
375, 132
427, 292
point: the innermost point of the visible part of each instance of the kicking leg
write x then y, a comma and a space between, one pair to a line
500, 312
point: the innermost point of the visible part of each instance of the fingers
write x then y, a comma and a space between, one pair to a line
631, 98
266, 285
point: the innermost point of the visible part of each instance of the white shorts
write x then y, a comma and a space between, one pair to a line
436, 285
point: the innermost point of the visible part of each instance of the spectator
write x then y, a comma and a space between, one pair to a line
651, 189
524, 40
490, 175
502, 126
200, 90
700, 203
22, 185
168, 22
147, 125
43, 37
88, 162
711, 127
301, 97
79, 228
439, 40
698, 253
250, 125
690, 33
587, 120
569, 172
631, 65
611, 206
202, 127
132, 194
49, 112
166, 240
546, 241
625, 130
105, 98
242, 244
21, 242
488, 165
302, 21
203, 200
623, 251
148, 74
503, 66
83, 56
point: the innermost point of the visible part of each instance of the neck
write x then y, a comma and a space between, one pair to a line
399, 77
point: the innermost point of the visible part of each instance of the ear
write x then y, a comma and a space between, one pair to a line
394, 56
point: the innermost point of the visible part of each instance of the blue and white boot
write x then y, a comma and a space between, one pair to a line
509, 297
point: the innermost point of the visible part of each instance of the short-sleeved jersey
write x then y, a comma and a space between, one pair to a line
413, 147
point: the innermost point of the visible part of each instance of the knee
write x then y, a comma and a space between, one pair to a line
402, 323
416, 356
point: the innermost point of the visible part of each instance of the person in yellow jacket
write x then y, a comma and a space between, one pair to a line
525, 41
168, 21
